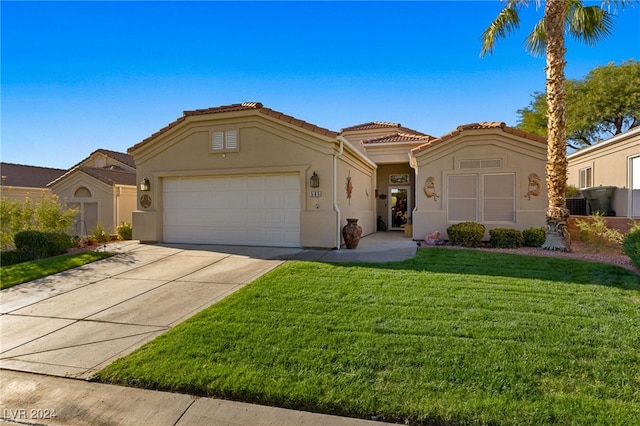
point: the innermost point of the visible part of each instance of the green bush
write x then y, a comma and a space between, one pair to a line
631, 245
466, 234
124, 230
38, 244
34, 244
100, 234
505, 238
11, 257
534, 237
43, 214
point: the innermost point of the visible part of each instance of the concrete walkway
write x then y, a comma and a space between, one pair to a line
75, 323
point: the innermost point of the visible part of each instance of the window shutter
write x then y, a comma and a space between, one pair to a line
217, 141
232, 139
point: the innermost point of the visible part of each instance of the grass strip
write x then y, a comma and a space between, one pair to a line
449, 337
28, 271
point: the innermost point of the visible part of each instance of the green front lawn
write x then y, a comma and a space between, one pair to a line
28, 271
450, 337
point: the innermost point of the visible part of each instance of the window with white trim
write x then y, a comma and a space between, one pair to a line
499, 197
224, 141
462, 198
586, 177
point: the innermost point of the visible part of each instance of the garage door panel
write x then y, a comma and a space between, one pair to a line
247, 210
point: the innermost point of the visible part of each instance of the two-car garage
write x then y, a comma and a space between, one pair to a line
258, 210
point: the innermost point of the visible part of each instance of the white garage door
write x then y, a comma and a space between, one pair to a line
243, 210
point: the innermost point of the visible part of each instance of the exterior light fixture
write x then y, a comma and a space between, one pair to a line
314, 181
145, 185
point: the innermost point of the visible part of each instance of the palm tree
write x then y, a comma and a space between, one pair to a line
586, 23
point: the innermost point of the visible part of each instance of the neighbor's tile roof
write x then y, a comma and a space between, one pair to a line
122, 157
245, 106
109, 175
481, 125
398, 137
28, 176
375, 125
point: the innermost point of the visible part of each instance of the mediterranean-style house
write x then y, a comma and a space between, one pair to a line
103, 189
20, 181
611, 167
248, 175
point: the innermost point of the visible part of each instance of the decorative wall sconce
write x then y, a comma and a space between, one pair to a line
145, 185
314, 181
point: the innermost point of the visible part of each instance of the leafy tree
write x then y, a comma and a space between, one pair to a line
604, 104
46, 214
586, 23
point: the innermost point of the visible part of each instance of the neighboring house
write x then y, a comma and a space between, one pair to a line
483, 172
611, 163
102, 187
246, 174
20, 181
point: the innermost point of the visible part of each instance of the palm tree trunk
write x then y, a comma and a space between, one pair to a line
557, 237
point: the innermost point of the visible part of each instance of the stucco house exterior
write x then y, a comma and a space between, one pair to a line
244, 174
483, 172
20, 181
102, 187
615, 163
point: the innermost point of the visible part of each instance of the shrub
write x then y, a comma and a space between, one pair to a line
534, 237
631, 245
505, 238
33, 244
596, 231
100, 234
466, 234
45, 214
124, 230
59, 242
11, 257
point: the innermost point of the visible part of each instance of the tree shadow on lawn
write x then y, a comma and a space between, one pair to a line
477, 262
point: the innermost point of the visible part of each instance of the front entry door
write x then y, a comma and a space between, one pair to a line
400, 200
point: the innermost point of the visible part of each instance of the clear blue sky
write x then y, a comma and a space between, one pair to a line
78, 76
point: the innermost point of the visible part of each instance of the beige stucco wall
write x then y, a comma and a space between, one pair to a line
518, 155
609, 161
19, 193
266, 145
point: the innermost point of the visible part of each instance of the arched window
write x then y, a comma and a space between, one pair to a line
82, 192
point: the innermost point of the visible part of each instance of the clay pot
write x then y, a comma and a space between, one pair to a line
351, 233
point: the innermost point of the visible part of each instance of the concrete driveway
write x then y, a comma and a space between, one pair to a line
74, 323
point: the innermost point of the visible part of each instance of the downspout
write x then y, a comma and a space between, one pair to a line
118, 195
414, 165
335, 188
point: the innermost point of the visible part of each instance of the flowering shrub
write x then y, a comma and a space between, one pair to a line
100, 234
124, 230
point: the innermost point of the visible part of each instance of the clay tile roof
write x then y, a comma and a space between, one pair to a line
481, 125
110, 176
372, 125
28, 176
245, 106
399, 137
122, 157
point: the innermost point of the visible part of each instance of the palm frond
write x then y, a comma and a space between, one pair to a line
589, 23
505, 23
536, 41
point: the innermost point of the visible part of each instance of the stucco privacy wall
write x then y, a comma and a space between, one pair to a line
480, 172
613, 162
268, 144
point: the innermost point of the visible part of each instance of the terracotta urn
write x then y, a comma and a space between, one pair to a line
351, 233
